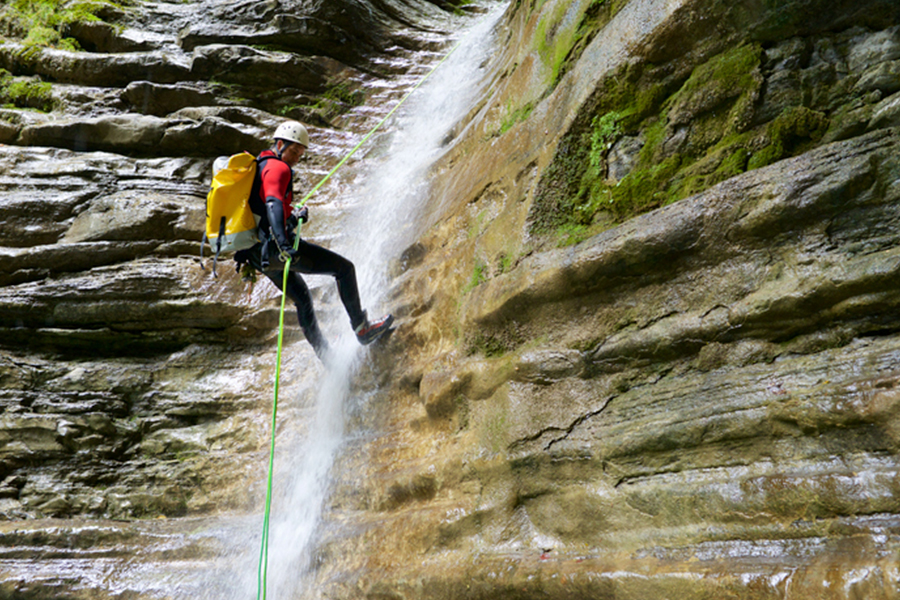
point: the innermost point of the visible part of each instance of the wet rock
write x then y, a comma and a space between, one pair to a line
120, 133
549, 366
249, 66
12, 122
704, 395
159, 99
623, 155
108, 305
133, 215
104, 70
141, 135
197, 138
347, 32
440, 392
91, 446
868, 49
886, 113
784, 82
101, 36
883, 77
662, 372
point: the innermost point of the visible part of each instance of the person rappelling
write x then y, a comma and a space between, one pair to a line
271, 201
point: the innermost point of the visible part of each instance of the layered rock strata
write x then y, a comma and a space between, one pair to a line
697, 402
135, 388
647, 339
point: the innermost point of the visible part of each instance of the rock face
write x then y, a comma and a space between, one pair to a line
721, 397
697, 402
135, 386
648, 340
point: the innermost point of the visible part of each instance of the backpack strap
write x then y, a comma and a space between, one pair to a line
219, 238
257, 205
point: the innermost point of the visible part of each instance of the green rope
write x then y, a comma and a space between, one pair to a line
264, 550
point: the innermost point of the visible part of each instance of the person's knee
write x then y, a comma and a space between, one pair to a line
345, 270
306, 316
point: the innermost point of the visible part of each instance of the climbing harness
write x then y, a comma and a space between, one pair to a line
264, 550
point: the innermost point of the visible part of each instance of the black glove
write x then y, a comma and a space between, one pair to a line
294, 254
297, 217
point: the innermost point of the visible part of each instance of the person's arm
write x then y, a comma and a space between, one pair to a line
275, 180
275, 212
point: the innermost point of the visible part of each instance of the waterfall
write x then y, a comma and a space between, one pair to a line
393, 201
387, 200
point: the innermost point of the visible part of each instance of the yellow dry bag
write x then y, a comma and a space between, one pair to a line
230, 224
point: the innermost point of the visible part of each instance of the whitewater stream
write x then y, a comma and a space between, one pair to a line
383, 202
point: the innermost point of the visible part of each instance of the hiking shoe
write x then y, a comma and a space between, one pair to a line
370, 331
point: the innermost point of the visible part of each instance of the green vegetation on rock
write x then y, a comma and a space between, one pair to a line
680, 137
24, 92
564, 32
479, 276
793, 131
515, 115
42, 22
605, 131
337, 99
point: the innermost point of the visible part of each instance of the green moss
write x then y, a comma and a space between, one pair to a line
572, 233
593, 18
605, 131
712, 106
646, 103
794, 130
644, 188
479, 276
25, 92
718, 98
40, 22
40, 35
727, 75
342, 92
574, 187
715, 168
564, 33
654, 135
515, 115
489, 346
338, 99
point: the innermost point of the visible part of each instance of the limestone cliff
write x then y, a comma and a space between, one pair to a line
648, 332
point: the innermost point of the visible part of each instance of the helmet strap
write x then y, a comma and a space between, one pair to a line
284, 146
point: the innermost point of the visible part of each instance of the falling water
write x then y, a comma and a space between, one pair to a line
394, 198
389, 191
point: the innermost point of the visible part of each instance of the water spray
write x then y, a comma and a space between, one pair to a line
264, 548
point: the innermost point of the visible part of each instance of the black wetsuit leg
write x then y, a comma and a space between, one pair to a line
298, 292
315, 260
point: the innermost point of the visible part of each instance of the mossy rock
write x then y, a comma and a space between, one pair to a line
25, 92
796, 129
697, 131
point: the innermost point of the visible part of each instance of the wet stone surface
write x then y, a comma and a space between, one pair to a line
698, 402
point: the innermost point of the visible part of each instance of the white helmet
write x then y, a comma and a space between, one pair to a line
292, 131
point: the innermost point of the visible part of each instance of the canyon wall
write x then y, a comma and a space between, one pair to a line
647, 339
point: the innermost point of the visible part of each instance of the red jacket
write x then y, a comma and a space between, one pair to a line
275, 182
